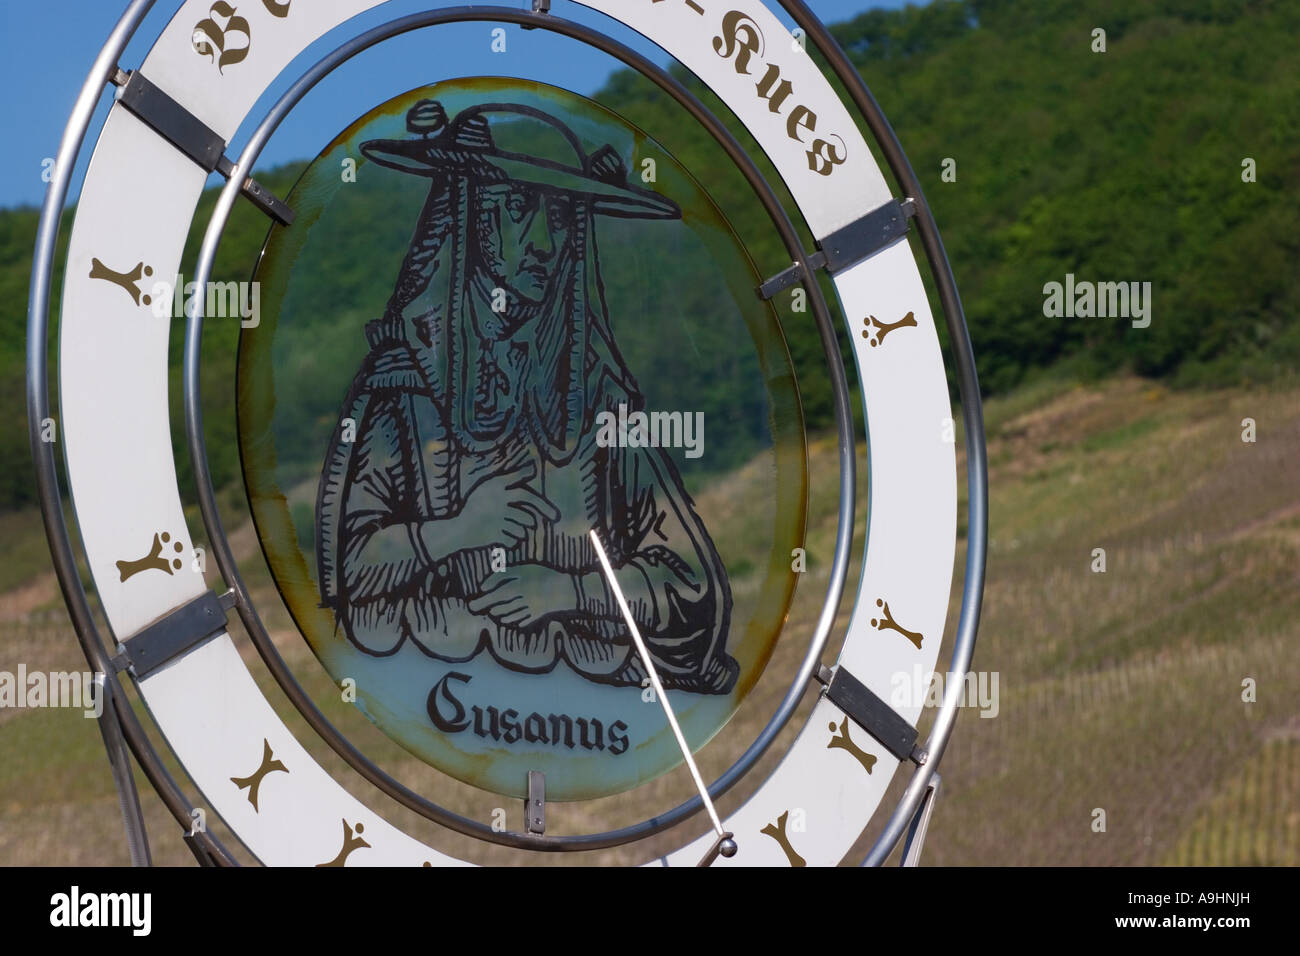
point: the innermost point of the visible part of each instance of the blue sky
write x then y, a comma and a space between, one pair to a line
48, 47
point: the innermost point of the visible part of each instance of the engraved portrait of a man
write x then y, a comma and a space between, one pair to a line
458, 517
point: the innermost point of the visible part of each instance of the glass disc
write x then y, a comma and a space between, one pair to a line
502, 318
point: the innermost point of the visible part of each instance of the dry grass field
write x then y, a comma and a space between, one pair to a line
1119, 691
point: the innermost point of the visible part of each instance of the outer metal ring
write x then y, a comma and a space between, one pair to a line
57, 532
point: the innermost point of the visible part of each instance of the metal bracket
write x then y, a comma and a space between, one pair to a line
872, 714
851, 244
259, 195
848, 245
540, 7
920, 825
535, 804
189, 134
173, 636
169, 119
198, 849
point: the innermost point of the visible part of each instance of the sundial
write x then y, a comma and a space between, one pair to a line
533, 488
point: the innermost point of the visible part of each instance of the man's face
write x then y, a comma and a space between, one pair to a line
525, 229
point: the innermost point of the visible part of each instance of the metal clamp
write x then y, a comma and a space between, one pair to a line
174, 636
541, 8
872, 714
201, 145
849, 245
535, 803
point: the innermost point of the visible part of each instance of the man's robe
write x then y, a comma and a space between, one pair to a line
406, 468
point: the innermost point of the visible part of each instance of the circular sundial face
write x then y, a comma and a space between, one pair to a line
505, 317
486, 284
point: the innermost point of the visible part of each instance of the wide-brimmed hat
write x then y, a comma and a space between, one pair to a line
466, 144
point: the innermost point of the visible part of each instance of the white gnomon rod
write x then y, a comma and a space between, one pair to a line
654, 680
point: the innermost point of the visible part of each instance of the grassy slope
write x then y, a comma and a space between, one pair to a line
1118, 690
1122, 691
